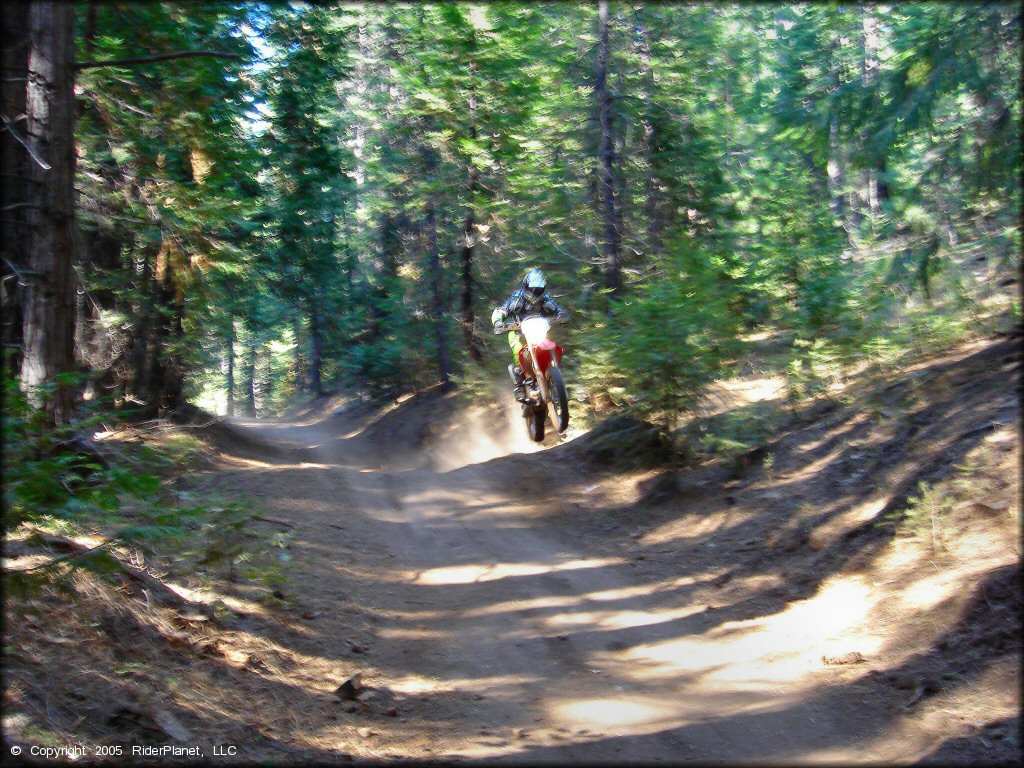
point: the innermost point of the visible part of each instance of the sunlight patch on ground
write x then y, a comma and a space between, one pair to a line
607, 595
816, 466
931, 591
477, 573
979, 554
683, 529
726, 394
265, 467
761, 653
632, 714
611, 620
417, 633
825, 535
830, 434
639, 590
615, 713
238, 461
210, 598
415, 685
538, 603
770, 388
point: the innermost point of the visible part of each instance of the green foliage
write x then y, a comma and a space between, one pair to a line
823, 171
924, 517
661, 346
55, 482
733, 432
814, 368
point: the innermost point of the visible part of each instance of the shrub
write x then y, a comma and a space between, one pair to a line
660, 347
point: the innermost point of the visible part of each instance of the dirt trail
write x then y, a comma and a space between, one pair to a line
525, 608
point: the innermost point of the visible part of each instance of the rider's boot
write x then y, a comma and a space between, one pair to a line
517, 380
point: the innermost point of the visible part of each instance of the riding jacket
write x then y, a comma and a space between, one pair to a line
516, 308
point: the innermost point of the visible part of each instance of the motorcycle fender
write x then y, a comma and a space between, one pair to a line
542, 354
543, 351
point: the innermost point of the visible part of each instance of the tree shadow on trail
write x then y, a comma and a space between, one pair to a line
549, 606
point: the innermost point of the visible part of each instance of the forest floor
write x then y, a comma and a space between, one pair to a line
492, 599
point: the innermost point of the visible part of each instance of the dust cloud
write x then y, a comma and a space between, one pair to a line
479, 434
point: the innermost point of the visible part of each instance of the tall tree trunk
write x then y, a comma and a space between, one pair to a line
876, 189
164, 386
231, 367
359, 128
385, 268
469, 232
250, 376
434, 268
430, 165
139, 341
836, 165
434, 255
612, 266
315, 350
468, 243
49, 308
14, 170
83, 317
300, 382
652, 196
881, 171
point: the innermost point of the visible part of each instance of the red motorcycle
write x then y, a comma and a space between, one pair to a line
544, 357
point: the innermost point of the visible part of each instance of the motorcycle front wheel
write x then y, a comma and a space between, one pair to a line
535, 424
559, 398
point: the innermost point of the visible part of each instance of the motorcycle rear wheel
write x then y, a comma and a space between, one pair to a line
559, 398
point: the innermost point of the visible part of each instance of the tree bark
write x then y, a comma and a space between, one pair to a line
469, 233
231, 367
612, 265
140, 339
164, 387
434, 269
652, 197
315, 350
440, 330
836, 165
14, 160
468, 244
250, 377
49, 308
300, 382
877, 190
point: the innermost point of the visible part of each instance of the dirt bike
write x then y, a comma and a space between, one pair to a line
544, 357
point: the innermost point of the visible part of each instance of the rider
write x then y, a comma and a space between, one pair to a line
529, 300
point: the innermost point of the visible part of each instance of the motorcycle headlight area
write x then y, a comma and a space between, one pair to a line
535, 329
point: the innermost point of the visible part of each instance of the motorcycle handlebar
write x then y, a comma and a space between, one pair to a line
500, 328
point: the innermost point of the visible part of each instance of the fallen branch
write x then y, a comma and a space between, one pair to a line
274, 520
75, 549
10, 129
